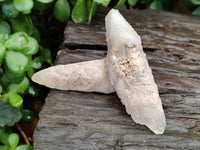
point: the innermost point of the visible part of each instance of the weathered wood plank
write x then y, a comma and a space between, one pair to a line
158, 30
76, 120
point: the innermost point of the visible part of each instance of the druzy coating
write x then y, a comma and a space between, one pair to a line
124, 70
130, 74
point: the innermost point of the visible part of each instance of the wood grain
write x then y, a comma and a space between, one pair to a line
76, 120
158, 30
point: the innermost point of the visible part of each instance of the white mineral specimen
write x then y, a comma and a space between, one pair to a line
130, 74
124, 70
88, 76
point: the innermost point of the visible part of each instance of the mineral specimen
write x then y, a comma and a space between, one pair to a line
124, 70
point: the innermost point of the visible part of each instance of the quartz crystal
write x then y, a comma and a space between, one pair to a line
124, 70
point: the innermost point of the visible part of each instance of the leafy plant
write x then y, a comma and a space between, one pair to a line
132, 2
11, 140
194, 5
62, 10
21, 53
156, 4
8, 114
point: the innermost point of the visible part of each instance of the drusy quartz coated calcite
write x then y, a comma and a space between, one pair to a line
130, 74
88, 76
124, 70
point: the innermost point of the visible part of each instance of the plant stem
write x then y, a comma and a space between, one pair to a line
23, 134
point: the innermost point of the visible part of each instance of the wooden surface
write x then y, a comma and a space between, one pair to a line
76, 120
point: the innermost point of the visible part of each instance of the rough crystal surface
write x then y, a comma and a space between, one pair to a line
124, 70
88, 76
130, 74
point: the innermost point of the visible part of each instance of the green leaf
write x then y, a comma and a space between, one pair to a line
39, 6
33, 91
2, 131
1, 72
2, 52
9, 9
24, 147
32, 47
24, 6
92, 10
15, 99
103, 2
20, 41
37, 62
13, 140
4, 30
29, 62
4, 138
17, 41
132, 2
61, 10
72, 2
13, 77
196, 11
120, 4
80, 12
8, 114
23, 23
30, 72
27, 115
1, 89
4, 147
196, 2
45, 1
156, 5
16, 61
19, 87
4, 81
46, 55
35, 34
